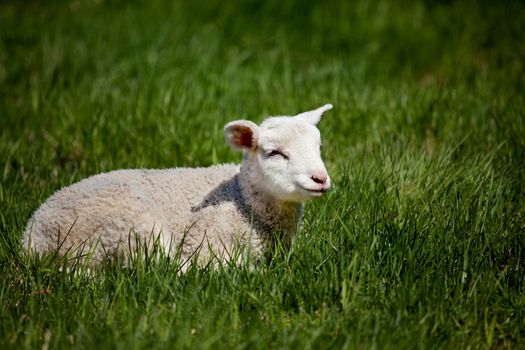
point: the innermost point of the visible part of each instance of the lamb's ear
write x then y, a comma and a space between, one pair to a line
242, 134
314, 116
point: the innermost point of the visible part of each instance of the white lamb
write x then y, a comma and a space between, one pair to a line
202, 212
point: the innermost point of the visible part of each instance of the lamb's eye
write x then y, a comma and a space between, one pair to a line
277, 153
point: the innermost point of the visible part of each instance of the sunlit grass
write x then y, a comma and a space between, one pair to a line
419, 245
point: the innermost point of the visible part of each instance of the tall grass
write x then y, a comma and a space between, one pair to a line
419, 245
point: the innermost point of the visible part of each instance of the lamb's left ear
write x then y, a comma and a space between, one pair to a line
314, 116
242, 134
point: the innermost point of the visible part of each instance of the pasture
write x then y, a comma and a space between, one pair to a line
421, 242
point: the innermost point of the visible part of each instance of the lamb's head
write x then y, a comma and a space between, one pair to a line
283, 154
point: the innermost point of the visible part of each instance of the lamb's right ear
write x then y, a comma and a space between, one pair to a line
314, 116
242, 134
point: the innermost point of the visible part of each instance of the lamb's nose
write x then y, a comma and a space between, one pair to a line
319, 178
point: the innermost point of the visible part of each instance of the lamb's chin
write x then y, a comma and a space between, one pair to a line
312, 194
300, 195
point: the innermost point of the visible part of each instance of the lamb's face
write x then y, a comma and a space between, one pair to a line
286, 154
289, 157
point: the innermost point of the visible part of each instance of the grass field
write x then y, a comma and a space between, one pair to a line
421, 244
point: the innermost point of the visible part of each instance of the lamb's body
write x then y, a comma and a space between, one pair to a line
108, 211
204, 212
199, 207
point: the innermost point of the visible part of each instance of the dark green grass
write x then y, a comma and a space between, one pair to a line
421, 243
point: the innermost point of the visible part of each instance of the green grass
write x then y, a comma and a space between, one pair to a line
420, 245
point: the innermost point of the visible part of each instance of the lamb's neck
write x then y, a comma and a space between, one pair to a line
276, 214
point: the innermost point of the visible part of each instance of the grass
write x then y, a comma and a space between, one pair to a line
420, 245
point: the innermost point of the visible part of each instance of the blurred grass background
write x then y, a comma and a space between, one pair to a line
421, 243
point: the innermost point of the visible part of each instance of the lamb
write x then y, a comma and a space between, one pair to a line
196, 212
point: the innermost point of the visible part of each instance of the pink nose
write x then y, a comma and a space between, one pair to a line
319, 178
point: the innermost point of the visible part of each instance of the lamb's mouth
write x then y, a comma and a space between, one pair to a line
322, 190
315, 191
